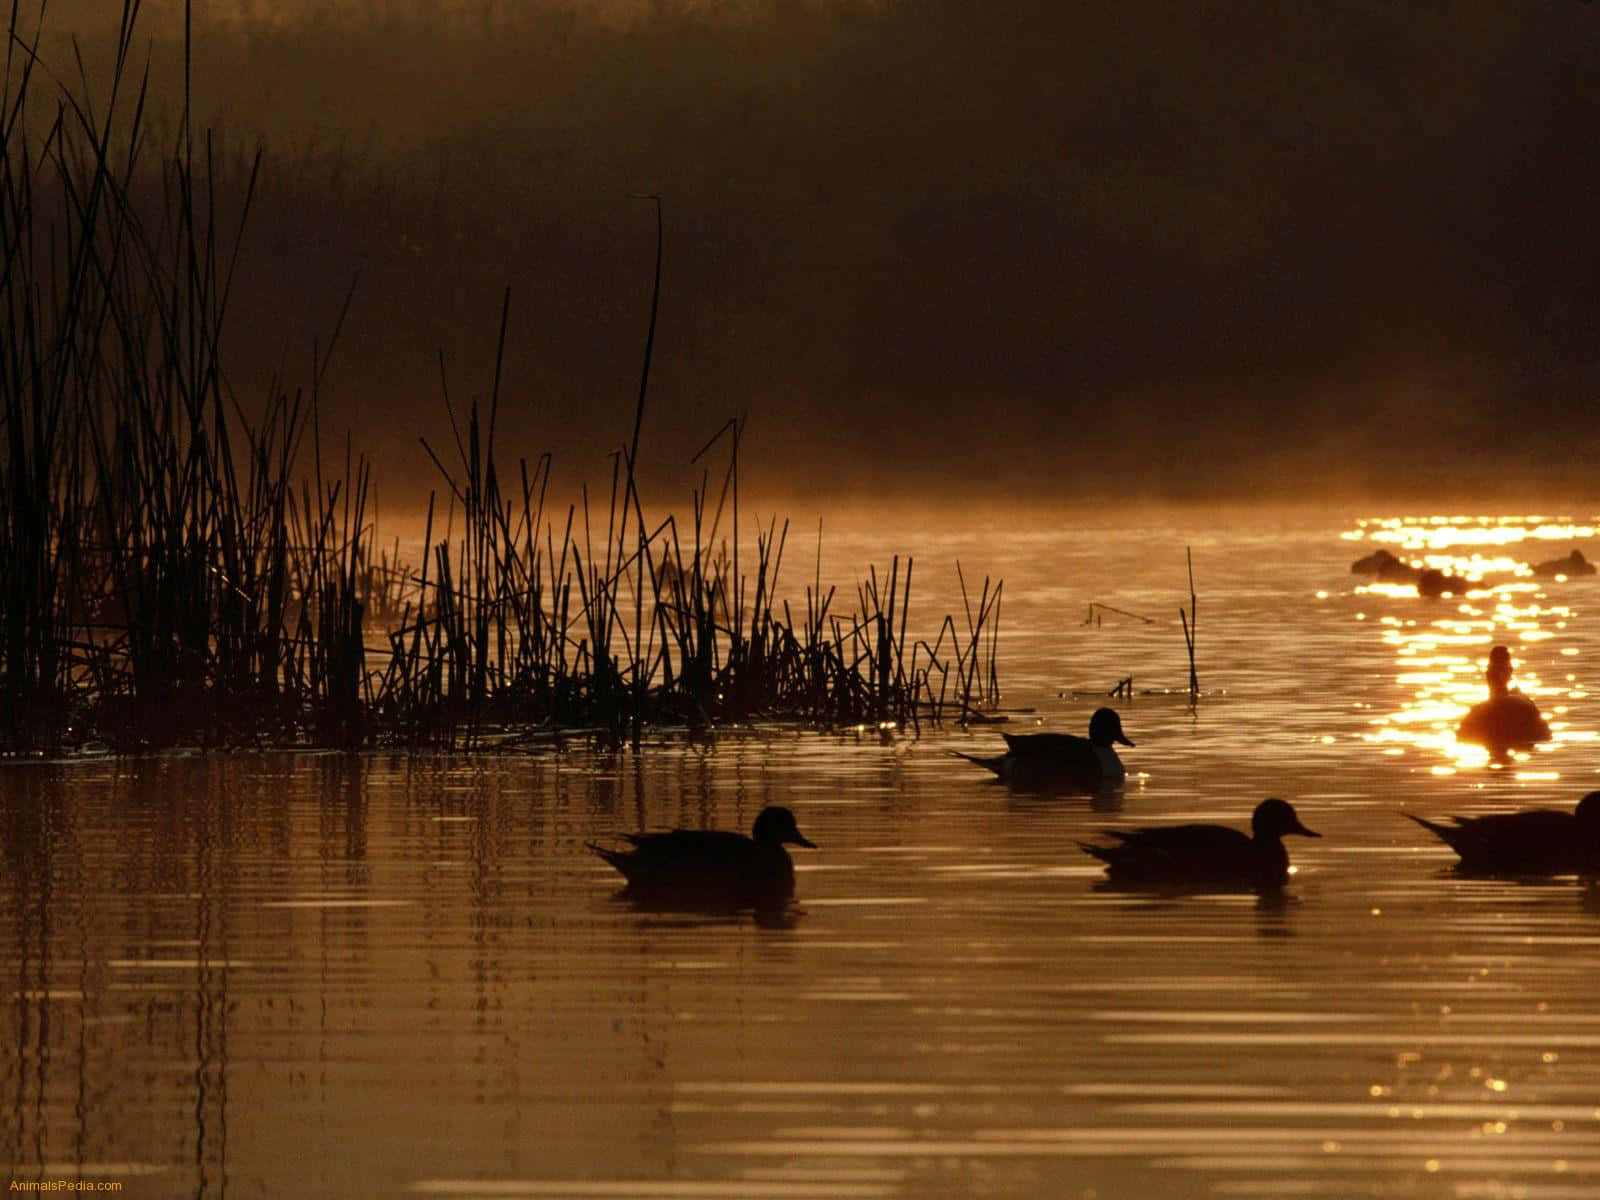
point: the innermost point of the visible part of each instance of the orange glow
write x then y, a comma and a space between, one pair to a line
1441, 646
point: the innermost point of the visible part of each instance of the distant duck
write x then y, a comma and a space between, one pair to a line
1507, 720
1434, 582
1572, 565
1205, 854
713, 866
1062, 759
1535, 841
1385, 566
1429, 581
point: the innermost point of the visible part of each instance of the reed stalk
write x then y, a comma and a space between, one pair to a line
177, 570
1190, 629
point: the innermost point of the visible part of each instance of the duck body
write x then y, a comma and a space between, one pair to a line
1205, 854
1435, 583
1062, 759
1572, 565
1535, 841
1385, 566
1509, 721
1429, 581
1066, 753
712, 866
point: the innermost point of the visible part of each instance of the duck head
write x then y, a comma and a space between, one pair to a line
1105, 727
775, 826
1274, 818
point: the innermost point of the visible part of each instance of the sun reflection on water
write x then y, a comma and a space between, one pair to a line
1441, 643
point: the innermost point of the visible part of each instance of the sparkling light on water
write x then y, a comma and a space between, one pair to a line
1441, 644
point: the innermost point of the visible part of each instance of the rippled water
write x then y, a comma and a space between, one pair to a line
317, 975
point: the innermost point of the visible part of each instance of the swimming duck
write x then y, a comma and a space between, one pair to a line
1209, 854
1062, 759
1572, 565
1386, 567
713, 865
1435, 583
1507, 720
1535, 841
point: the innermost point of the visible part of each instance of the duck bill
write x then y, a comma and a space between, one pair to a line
1303, 831
1126, 741
800, 839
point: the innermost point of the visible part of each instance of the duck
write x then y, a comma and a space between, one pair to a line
1434, 583
1205, 854
1385, 566
1571, 566
717, 866
1062, 759
1534, 841
1507, 720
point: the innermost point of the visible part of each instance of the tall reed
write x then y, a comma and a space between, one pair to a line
177, 569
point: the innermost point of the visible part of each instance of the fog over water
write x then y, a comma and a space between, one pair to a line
988, 250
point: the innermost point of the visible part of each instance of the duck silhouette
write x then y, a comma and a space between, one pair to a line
1535, 841
1571, 566
1434, 583
1386, 567
712, 867
1044, 760
1507, 720
1205, 854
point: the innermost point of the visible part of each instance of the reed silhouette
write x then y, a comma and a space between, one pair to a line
180, 566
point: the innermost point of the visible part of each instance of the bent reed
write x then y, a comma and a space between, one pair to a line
177, 571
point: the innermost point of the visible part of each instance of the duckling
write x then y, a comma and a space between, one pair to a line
1535, 841
1062, 759
1205, 854
713, 865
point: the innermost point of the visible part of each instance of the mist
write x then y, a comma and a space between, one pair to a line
928, 249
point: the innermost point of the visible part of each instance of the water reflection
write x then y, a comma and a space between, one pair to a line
1022, 791
686, 911
298, 975
1441, 646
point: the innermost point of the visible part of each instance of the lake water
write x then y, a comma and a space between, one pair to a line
277, 974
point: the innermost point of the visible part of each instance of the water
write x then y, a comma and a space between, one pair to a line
267, 975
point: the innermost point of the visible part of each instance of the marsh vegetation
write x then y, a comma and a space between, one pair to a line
185, 561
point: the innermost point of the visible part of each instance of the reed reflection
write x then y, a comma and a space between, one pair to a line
27, 836
1442, 643
116, 955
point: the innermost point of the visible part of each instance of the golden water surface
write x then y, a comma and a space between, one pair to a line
277, 974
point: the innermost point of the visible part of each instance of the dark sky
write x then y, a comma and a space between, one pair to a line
970, 249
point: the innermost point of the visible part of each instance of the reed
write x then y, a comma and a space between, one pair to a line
175, 569
1190, 620
530, 624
